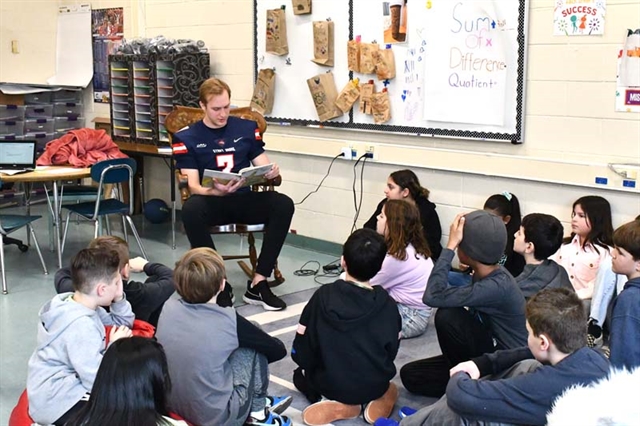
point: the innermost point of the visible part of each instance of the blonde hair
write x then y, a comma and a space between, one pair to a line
213, 87
199, 275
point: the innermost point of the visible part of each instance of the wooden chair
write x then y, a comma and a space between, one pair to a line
181, 117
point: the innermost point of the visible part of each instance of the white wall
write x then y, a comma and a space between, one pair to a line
32, 25
569, 117
571, 128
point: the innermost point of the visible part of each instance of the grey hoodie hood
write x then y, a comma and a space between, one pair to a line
548, 274
57, 315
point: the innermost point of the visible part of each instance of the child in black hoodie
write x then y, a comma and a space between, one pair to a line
347, 340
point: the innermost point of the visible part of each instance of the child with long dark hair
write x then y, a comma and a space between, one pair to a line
506, 206
130, 387
404, 185
407, 265
589, 244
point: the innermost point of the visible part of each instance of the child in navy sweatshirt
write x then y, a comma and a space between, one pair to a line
518, 386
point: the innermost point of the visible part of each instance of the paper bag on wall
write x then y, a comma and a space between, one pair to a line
324, 93
301, 7
381, 107
353, 55
277, 32
323, 43
385, 64
348, 96
367, 63
366, 91
264, 92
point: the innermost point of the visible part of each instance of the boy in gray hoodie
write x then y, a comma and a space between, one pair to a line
539, 237
71, 337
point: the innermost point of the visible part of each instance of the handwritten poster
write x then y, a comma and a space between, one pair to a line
628, 81
579, 17
412, 77
466, 62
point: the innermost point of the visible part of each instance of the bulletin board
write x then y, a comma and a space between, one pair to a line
460, 71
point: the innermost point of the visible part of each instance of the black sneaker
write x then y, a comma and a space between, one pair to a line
226, 298
261, 294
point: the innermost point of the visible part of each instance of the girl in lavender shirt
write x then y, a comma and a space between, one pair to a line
407, 266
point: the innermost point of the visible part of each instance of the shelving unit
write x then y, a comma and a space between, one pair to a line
142, 100
121, 122
144, 89
164, 74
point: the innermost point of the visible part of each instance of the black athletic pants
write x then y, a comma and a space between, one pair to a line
461, 336
268, 207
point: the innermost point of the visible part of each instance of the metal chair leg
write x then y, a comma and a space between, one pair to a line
35, 241
64, 234
124, 229
97, 227
135, 234
4, 278
107, 224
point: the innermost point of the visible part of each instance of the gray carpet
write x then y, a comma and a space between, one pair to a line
282, 371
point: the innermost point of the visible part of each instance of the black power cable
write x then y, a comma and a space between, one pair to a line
322, 181
358, 204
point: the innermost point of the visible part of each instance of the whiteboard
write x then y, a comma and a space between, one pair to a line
292, 99
460, 73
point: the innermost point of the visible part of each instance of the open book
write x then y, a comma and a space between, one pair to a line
253, 175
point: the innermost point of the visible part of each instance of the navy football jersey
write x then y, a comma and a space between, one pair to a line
230, 148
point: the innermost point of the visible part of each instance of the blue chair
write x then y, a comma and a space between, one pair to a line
69, 194
9, 224
113, 172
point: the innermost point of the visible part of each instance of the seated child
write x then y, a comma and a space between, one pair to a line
130, 388
146, 298
71, 337
407, 266
624, 341
589, 244
608, 284
540, 236
513, 388
473, 319
218, 361
347, 340
507, 207
405, 185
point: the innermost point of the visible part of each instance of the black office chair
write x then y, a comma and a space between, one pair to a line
8, 240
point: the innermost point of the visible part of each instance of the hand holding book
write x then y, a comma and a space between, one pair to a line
254, 175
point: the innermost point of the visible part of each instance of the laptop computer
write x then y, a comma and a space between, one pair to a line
17, 156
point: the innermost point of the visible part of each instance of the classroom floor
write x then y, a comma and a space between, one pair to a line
29, 289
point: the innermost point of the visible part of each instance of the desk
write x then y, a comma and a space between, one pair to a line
140, 150
53, 174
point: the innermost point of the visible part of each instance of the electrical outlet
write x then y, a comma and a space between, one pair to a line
346, 153
349, 153
371, 153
